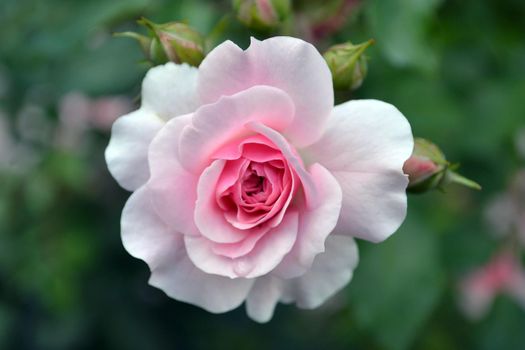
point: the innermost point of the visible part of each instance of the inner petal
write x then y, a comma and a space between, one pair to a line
258, 185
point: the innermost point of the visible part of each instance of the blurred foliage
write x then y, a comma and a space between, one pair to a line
455, 68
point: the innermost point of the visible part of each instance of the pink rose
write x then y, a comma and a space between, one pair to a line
249, 185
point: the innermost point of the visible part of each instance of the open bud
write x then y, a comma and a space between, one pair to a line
428, 169
179, 42
262, 15
348, 64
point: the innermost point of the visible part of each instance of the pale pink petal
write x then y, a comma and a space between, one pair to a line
214, 125
170, 90
289, 64
127, 152
314, 225
330, 272
264, 257
174, 190
146, 237
365, 146
374, 205
236, 250
264, 296
167, 91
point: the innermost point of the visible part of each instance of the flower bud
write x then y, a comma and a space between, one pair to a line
348, 64
428, 169
262, 15
179, 42
151, 47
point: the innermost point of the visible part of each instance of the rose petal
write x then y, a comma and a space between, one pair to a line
236, 250
330, 272
167, 91
290, 64
264, 296
217, 124
208, 216
235, 149
314, 225
365, 146
267, 253
170, 90
146, 237
127, 152
173, 188
293, 159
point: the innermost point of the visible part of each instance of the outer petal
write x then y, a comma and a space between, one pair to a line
170, 90
174, 190
146, 237
264, 296
217, 124
290, 64
365, 147
330, 272
167, 91
314, 225
127, 152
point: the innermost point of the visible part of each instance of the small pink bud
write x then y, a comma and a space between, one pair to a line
428, 169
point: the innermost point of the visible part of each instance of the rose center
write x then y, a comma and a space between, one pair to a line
254, 186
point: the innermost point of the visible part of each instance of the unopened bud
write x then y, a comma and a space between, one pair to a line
151, 47
348, 64
262, 14
428, 169
179, 42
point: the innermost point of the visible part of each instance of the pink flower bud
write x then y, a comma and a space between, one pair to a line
262, 14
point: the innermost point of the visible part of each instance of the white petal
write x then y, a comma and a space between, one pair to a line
173, 189
365, 147
146, 237
170, 90
143, 234
126, 154
330, 272
264, 296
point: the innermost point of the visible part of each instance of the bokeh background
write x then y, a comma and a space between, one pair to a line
455, 68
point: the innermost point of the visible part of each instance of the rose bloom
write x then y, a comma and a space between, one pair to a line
249, 185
